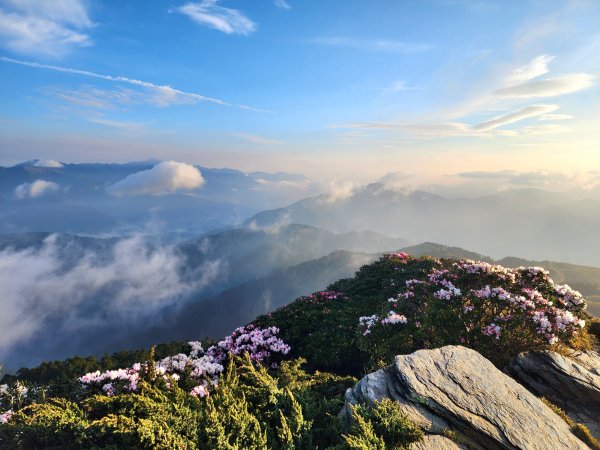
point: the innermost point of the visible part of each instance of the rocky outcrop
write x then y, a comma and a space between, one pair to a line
456, 389
572, 383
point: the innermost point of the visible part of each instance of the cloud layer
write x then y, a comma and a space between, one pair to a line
130, 283
165, 177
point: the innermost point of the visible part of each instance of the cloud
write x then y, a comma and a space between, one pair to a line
227, 20
47, 163
36, 189
256, 139
555, 117
339, 190
160, 95
524, 113
44, 27
531, 178
383, 45
282, 4
274, 227
548, 87
130, 127
131, 282
537, 67
165, 177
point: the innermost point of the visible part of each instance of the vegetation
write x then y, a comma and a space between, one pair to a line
279, 382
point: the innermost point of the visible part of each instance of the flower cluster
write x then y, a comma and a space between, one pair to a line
5, 416
498, 302
327, 295
259, 343
393, 318
127, 379
368, 322
200, 368
401, 257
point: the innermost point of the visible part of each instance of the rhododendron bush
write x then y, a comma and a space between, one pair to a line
495, 310
198, 371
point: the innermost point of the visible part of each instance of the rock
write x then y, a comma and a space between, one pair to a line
436, 442
456, 389
572, 383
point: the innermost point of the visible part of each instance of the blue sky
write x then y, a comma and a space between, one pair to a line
349, 90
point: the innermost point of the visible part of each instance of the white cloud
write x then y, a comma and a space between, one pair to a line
165, 177
384, 45
160, 95
130, 127
282, 4
47, 163
550, 128
555, 117
532, 178
339, 190
227, 20
548, 87
36, 189
537, 67
44, 27
524, 113
256, 139
131, 283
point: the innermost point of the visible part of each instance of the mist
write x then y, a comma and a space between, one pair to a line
55, 298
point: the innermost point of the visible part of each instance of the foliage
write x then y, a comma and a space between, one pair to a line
249, 389
252, 408
400, 304
381, 426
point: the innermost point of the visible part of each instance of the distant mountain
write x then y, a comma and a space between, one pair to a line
532, 223
66, 293
255, 253
236, 306
73, 198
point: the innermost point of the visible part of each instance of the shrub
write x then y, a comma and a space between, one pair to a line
381, 426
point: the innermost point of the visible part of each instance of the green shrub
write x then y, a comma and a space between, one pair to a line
381, 426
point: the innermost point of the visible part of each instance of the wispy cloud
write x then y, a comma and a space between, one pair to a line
162, 95
524, 113
401, 85
130, 127
382, 45
536, 67
227, 20
256, 139
522, 83
537, 178
44, 27
282, 4
549, 87
555, 117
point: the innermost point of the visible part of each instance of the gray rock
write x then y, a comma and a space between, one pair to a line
436, 442
572, 383
455, 388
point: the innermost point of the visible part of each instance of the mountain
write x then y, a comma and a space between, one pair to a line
97, 294
77, 198
532, 223
427, 361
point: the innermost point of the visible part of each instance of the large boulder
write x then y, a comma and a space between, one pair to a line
456, 390
572, 383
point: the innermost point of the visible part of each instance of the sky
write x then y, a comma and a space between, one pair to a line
431, 91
